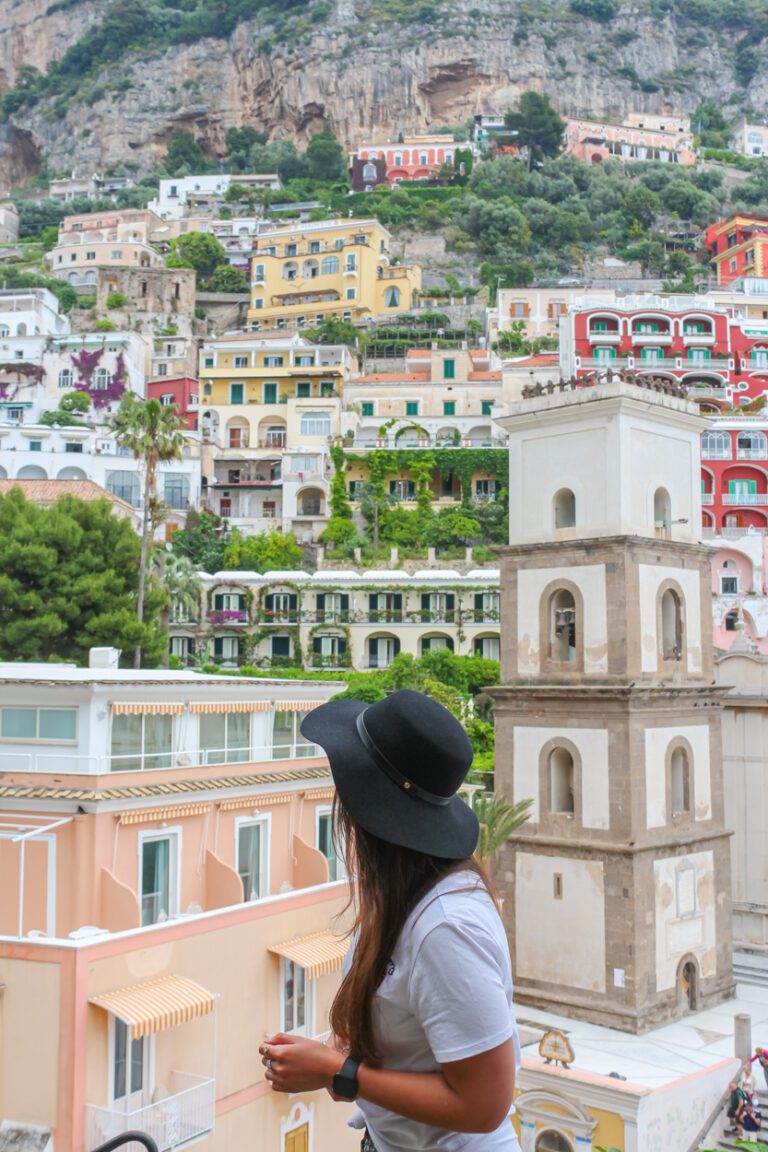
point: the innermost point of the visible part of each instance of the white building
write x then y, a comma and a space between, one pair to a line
341, 618
177, 196
29, 317
751, 140
39, 452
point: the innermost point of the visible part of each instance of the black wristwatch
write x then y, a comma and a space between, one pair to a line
344, 1083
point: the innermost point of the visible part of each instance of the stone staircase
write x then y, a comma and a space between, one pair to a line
750, 968
728, 1141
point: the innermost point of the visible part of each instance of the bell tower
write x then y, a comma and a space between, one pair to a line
618, 887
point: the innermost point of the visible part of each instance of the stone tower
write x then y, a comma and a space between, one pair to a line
618, 888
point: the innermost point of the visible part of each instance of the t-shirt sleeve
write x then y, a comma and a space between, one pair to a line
457, 992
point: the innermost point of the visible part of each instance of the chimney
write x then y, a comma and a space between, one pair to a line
103, 657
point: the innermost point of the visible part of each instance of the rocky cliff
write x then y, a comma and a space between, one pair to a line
364, 78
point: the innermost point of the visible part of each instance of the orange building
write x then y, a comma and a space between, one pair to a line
738, 247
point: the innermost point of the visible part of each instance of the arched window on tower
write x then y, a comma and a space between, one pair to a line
671, 626
565, 508
680, 782
561, 781
662, 509
562, 627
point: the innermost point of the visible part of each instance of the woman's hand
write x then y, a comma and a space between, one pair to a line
295, 1064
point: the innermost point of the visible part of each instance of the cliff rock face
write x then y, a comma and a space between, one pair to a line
366, 82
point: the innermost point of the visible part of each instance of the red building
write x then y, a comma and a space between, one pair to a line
721, 357
738, 247
734, 474
181, 392
416, 158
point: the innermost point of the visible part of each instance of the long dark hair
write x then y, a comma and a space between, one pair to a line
388, 883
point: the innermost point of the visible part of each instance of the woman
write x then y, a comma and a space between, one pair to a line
424, 1034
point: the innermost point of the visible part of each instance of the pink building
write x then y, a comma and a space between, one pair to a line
594, 141
416, 158
170, 895
740, 588
181, 393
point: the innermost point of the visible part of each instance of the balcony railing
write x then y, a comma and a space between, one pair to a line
640, 337
74, 763
707, 497
752, 453
184, 1115
709, 392
745, 498
611, 337
697, 337
613, 363
733, 533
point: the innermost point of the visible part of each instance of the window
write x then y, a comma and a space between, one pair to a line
315, 424
671, 626
116, 254
392, 297
125, 485
565, 508
367, 408
281, 605
350, 293
162, 370
325, 844
449, 407
141, 741
129, 1059
329, 265
225, 737
751, 446
287, 740
369, 171
240, 362
273, 361
716, 445
296, 997
729, 585
561, 781
731, 621
72, 446
486, 606
350, 264
313, 246
208, 362
176, 489
158, 876
65, 378
252, 846
236, 393
290, 249
680, 782
280, 646
562, 627
327, 388
759, 357
487, 647
486, 407
226, 648
258, 273
270, 393
101, 379
386, 606
303, 389
662, 508
449, 369
55, 724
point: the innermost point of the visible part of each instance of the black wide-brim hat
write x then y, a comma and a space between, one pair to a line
397, 766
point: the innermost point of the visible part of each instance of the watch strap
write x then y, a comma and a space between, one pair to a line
345, 1080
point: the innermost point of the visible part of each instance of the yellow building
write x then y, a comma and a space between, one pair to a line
303, 274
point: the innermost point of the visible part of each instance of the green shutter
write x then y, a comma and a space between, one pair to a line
367, 407
449, 408
449, 369
303, 388
411, 407
486, 407
737, 487
270, 393
236, 393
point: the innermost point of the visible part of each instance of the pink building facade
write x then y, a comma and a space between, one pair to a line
416, 158
170, 895
595, 141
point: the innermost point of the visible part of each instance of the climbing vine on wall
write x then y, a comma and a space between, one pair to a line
420, 464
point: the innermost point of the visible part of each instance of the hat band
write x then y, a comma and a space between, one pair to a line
395, 775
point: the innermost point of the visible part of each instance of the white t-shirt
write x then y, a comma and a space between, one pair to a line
447, 995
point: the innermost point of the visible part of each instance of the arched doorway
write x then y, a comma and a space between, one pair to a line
688, 983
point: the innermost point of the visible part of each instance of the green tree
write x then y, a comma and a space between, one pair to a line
153, 434
72, 406
184, 152
603, 11
69, 580
374, 502
335, 331
498, 820
177, 581
711, 126
539, 127
202, 540
262, 552
198, 250
225, 278
641, 204
325, 157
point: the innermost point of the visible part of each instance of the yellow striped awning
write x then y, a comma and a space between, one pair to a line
157, 1005
168, 812
263, 800
297, 705
318, 954
133, 708
206, 707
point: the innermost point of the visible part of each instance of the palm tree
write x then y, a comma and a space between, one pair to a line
498, 820
153, 433
178, 579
